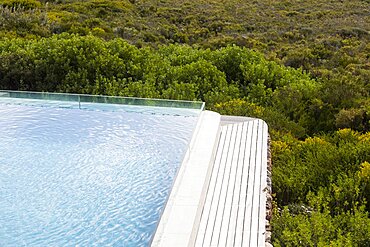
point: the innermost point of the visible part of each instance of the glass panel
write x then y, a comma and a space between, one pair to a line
83, 98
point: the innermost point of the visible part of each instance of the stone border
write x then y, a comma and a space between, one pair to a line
268, 196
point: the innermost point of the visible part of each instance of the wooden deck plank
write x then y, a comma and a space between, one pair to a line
234, 209
232, 230
262, 203
254, 219
223, 188
211, 190
243, 188
250, 184
216, 192
230, 187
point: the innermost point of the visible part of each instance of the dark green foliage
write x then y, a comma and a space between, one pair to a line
69, 63
319, 228
315, 162
324, 183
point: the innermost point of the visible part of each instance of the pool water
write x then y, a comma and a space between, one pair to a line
90, 176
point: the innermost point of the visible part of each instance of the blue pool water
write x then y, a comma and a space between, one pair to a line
96, 176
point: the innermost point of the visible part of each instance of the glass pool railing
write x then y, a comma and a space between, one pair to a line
82, 99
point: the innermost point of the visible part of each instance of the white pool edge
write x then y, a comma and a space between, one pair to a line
188, 193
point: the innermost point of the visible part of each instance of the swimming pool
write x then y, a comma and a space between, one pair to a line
75, 170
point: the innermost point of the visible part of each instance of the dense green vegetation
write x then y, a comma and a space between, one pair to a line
331, 199
302, 66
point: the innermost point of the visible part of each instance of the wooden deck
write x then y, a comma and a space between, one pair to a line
234, 211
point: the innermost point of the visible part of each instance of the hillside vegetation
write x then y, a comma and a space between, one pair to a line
302, 66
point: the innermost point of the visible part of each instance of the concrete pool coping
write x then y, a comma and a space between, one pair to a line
188, 193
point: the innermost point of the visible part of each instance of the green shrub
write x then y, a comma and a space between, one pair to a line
26, 4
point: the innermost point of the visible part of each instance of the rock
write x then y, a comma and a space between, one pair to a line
269, 199
268, 245
268, 226
268, 237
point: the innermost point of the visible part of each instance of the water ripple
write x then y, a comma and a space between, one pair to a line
89, 178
